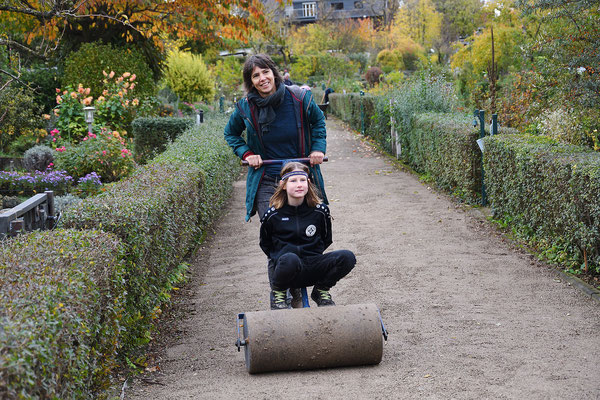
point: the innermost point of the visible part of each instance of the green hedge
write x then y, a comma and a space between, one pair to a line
549, 192
154, 213
103, 281
152, 135
444, 147
204, 145
61, 298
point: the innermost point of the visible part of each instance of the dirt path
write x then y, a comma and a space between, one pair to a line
468, 317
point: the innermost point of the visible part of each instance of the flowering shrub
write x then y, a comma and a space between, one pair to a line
89, 185
115, 108
69, 110
13, 182
105, 154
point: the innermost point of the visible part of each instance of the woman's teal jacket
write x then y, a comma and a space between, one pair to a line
312, 136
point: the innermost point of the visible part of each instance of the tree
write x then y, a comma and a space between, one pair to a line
418, 20
36, 28
568, 32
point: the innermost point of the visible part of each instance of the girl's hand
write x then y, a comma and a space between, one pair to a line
254, 161
316, 157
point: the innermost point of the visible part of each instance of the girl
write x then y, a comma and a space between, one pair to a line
294, 233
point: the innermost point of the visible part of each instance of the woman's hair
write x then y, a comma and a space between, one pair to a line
260, 61
279, 198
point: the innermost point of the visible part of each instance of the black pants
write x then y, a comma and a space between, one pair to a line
322, 271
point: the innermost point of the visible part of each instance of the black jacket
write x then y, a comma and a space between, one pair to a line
303, 230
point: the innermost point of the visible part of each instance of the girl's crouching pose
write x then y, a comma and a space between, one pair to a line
294, 233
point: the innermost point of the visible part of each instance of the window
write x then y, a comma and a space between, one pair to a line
309, 9
337, 6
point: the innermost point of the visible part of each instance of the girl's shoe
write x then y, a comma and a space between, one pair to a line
280, 300
322, 297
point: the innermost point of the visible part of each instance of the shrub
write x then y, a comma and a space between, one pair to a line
115, 108
372, 76
20, 118
85, 66
390, 60
62, 203
152, 135
550, 193
105, 153
62, 298
187, 75
443, 146
153, 212
205, 146
38, 158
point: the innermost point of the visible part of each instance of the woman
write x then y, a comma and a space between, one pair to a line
281, 122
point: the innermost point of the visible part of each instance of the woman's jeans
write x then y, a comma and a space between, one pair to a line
322, 271
266, 188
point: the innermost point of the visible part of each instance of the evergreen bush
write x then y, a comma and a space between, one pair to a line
38, 158
187, 75
152, 135
85, 66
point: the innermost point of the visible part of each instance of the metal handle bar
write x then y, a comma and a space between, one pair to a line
304, 160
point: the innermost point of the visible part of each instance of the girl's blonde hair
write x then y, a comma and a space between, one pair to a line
279, 198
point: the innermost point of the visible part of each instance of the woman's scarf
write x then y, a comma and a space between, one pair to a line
266, 114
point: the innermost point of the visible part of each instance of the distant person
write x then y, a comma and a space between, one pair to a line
294, 233
326, 97
281, 122
286, 79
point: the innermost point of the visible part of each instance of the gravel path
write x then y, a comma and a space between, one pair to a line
469, 316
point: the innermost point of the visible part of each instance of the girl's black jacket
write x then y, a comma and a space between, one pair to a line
303, 230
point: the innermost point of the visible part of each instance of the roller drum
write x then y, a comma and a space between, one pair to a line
308, 338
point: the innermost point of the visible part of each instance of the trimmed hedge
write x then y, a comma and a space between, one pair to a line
206, 146
101, 313
550, 192
154, 213
61, 298
444, 146
152, 135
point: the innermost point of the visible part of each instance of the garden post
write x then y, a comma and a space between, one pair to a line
494, 124
222, 104
362, 113
481, 136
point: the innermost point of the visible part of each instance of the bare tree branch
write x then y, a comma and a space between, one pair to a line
24, 49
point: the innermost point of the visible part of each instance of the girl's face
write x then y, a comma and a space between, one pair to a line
296, 187
264, 81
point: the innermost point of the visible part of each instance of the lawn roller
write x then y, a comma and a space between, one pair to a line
310, 337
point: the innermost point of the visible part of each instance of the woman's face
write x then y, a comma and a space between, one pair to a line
264, 81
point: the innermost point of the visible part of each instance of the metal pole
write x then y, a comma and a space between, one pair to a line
362, 113
222, 104
481, 136
494, 124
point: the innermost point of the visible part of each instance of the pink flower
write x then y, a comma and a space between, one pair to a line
51, 165
104, 152
132, 78
58, 99
132, 86
111, 75
126, 74
54, 131
57, 90
85, 138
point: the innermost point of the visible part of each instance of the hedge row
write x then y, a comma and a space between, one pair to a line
152, 135
61, 301
444, 147
550, 192
154, 218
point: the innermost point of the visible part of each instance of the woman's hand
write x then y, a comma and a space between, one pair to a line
254, 161
316, 157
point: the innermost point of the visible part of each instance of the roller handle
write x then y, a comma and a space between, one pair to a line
304, 160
